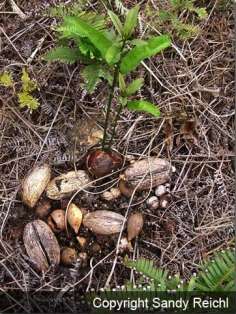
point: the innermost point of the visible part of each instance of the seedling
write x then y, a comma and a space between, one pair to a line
28, 86
110, 54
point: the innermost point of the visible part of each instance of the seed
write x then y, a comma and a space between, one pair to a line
153, 202
125, 189
74, 217
56, 220
68, 256
41, 245
146, 173
111, 195
160, 190
134, 225
104, 222
34, 184
65, 184
101, 163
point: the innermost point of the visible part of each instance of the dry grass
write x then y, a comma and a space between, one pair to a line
193, 80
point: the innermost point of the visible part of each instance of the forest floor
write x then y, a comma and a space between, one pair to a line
192, 83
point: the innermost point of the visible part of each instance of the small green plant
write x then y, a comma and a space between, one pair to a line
28, 86
217, 274
171, 16
110, 54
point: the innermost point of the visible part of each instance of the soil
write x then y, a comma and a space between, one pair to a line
193, 84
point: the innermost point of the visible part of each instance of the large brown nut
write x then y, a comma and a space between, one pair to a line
104, 222
101, 163
41, 245
34, 184
144, 174
66, 184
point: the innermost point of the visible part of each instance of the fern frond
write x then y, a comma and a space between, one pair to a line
6, 79
218, 274
64, 54
26, 100
62, 10
146, 267
92, 74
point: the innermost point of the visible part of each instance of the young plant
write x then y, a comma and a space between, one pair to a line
110, 54
171, 16
25, 97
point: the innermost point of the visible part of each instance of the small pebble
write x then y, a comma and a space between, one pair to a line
173, 169
153, 202
160, 190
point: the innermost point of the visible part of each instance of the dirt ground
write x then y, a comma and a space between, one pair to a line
193, 84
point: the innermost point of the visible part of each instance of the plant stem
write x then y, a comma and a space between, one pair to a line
115, 124
115, 77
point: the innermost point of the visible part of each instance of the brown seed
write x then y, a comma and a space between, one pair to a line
82, 242
125, 189
74, 217
101, 163
65, 184
68, 256
56, 220
104, 222
41, 245
43, 209
147, 173
134, 225
111, 195
34, 184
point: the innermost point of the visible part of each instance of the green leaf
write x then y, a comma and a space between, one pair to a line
133, 58
143, 105
122, 85
112, 55
116, 22
134, 86
131, 21
78, 28
26, 100
64, 54
6, 79
92, 74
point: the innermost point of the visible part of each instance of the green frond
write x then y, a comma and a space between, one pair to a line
27, 100
64, 54
147, 268
6, 79
62, 10
93, 73
219, 273
184, 30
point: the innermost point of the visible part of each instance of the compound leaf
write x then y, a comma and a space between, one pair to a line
64, 54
